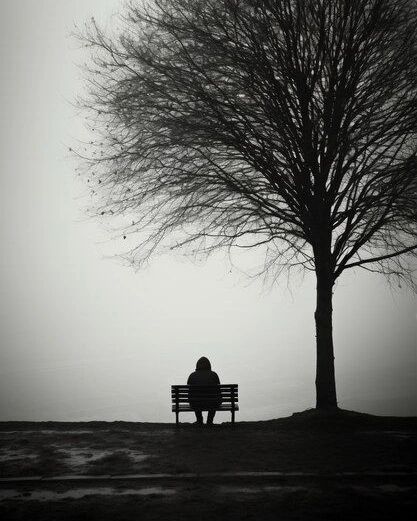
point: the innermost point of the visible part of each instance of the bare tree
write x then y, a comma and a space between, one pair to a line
286, 123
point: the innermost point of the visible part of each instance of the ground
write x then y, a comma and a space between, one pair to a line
340, 466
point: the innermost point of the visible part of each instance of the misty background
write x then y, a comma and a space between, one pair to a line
83, 337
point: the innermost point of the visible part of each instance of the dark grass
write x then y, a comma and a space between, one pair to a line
305, 442
202, 503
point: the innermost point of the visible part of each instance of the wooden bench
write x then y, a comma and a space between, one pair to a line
180, 395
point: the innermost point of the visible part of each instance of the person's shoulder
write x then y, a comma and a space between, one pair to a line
192, 377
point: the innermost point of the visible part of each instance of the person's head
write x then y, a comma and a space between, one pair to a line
203, 364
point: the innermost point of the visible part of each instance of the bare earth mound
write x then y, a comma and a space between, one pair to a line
312, 465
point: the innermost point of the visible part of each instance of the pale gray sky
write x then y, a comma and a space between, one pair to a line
85, 338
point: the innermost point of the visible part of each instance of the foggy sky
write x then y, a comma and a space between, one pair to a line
84, 337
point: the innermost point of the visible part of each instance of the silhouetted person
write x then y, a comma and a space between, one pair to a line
200, 398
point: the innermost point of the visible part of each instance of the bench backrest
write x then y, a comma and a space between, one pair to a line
228, 393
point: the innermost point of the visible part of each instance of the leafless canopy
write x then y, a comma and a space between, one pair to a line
276, 122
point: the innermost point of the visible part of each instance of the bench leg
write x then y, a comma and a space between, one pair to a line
177, 414
233, 416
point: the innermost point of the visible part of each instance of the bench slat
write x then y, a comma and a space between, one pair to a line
183, 408
204, 390
208, 395
203, 387
203, 401
186, 386
202, 397
203, 393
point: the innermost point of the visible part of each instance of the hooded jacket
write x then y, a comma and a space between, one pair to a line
204, 376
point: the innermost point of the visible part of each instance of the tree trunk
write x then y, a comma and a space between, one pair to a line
325, 376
